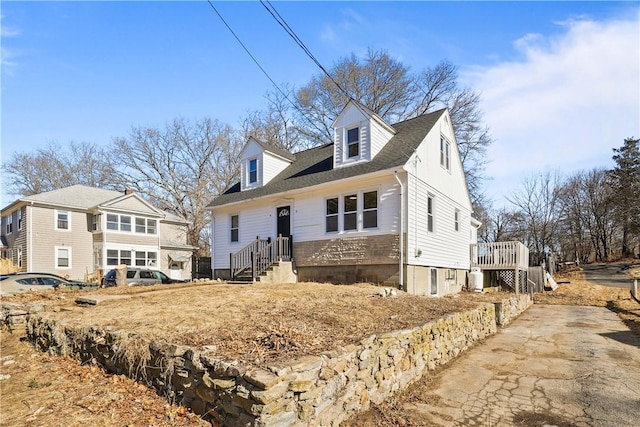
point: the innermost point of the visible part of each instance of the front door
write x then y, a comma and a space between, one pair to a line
284, 221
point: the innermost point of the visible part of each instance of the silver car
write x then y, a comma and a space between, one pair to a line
23, 282
137, 277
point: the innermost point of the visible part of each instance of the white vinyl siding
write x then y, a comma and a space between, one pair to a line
271, 167
442, 247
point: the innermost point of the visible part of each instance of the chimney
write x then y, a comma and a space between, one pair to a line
127, 191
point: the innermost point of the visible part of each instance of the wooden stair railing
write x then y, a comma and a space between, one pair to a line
259, 256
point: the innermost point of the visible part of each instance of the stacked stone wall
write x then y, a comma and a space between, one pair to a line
313, 390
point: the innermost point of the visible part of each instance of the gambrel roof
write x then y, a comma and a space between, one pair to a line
315, 166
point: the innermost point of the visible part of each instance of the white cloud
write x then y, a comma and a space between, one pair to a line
7, 54
567, 103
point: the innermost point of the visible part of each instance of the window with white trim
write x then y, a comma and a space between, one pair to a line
456, 220
445, 153
253, 171
125, 257
112, 257
62, 220
235, 228
9, 224
19, 219
112, 222
350, 212
141, 225
370, 210
95, 222
138, 258
430, 201
63, 258
353, 142
331, 215
125, 223
151, 226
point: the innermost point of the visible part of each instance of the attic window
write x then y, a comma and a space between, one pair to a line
445, 152
253, 171
353, 142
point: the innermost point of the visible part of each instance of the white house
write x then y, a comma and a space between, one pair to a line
342, 208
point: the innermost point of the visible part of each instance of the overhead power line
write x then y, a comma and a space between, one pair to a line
262, 69
280, 20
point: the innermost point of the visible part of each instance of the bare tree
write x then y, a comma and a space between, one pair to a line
537, 204
276, 125
59, 165
181, 168
389, 89
587, 216
379, 82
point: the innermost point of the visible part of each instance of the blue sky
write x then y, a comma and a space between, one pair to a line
560, 81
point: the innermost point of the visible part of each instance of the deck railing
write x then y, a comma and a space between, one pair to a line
500, 256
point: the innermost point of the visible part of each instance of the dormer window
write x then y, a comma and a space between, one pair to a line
353, 142
253, 171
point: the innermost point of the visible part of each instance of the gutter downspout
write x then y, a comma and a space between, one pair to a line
401, 262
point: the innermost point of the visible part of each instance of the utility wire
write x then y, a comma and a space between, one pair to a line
261, 68
280, 20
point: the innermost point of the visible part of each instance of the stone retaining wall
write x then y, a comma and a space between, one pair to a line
313, 390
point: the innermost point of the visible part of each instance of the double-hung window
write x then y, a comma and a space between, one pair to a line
253, 171
350, 214
445, 153
151, 226
353, 142
430, 208
9, 224
141, 225
63, 257
112, 222
62, 220
19, 219
125, 223
95, 222
331, 215
235, 223
370, 210
456, 220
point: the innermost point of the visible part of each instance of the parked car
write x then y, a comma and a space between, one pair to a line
139, 276
22, 282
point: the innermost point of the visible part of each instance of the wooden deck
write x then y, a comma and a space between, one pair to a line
509, 261
500, 256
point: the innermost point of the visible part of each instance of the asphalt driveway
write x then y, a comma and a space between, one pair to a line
554, 365
612, 274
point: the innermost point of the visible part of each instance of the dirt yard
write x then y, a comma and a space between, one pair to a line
256, 323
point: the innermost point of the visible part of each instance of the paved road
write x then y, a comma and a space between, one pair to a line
611, 274
553, 366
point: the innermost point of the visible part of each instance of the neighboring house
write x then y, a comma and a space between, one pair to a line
78, 231
345, 205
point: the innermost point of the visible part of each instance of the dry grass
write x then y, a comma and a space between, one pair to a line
6, 266
38, 389
260, 323
256, 323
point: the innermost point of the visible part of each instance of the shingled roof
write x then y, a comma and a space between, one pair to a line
315, 166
